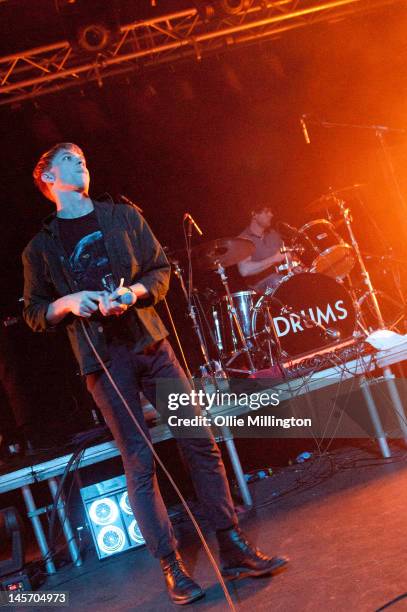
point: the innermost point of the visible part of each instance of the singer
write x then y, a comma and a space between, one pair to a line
64, 264
260, 269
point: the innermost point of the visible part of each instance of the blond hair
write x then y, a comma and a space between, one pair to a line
45, 163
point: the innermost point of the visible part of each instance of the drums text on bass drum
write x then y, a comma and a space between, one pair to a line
321, 315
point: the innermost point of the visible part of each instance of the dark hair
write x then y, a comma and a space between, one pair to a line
260, 208
45, 163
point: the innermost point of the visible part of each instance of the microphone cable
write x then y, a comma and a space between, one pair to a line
166, 472
179, 343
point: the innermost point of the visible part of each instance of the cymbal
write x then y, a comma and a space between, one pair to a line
225, 251
176, 255
329, 199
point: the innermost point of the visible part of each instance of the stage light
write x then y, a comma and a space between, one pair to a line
111, 539
93, 37
219, 8
12, 575
124, 504
103, 511
91, 28
233, 7
135, 533
111, 520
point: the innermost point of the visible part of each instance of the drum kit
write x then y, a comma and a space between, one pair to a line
314, 305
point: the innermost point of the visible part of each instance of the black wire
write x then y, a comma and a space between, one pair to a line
76, 458
391, 602
308, 479
73, 463
57, 551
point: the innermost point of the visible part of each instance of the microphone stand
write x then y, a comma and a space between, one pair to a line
379, 131
188, 293
193, 316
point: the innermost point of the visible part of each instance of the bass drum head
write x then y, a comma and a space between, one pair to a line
296, 310
332, 256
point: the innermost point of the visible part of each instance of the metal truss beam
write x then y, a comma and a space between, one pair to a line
166, 39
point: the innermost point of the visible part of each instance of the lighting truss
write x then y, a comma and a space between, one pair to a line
179, 36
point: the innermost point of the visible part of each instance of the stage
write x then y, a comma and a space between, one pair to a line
339, 518
228, 175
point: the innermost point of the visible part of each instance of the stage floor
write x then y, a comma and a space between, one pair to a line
341, 519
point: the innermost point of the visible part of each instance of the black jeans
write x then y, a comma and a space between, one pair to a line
134, 372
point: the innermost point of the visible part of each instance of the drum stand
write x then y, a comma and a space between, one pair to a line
370, 292
215, 376
192, 314
231, 305
388, 375
208, 365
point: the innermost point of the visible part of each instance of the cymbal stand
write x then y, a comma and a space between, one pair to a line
365, 274
358, 306
231, 305
388, 375
387, 372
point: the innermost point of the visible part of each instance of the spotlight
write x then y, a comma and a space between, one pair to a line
233, 7
124, 504
111, 521
103, 511
135, 533
93, 37
90, 29
111, 539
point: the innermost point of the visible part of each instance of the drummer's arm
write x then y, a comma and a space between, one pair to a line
247, 267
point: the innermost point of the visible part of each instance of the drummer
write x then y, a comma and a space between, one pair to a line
260, 269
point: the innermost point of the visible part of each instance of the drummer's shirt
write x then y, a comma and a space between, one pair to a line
269, 244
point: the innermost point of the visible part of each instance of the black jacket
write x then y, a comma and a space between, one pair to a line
135, 255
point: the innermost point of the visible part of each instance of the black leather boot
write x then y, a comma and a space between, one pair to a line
181, 588
240, 559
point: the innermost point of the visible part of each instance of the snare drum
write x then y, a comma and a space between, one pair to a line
324, 251
226, 334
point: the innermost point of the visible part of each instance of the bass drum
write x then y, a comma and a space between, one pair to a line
306, 312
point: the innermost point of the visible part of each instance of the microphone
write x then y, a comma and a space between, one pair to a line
328, 332
304, 130
187, 217
335, 334
126, 298
109, 285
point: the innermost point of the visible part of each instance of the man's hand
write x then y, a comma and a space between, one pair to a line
248, 266
110, 305
83, 303
277, 258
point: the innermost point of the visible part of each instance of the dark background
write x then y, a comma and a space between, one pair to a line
215, 138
